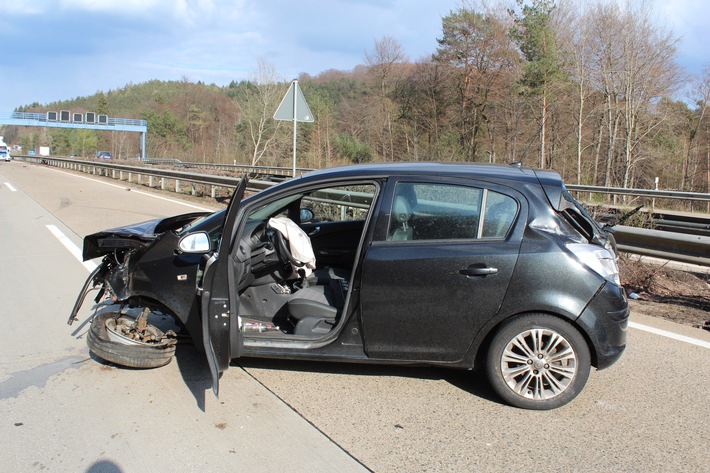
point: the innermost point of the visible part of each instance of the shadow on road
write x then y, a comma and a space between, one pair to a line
472, 382
195, 372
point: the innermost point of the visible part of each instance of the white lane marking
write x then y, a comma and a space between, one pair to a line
174, 201
674, 336
69, 245
9, 186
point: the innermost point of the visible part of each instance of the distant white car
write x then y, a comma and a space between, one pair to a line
5, 154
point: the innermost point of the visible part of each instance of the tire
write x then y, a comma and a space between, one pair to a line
525, 366
143, 355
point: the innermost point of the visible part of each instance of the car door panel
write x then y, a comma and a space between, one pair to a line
221, 334
425, 299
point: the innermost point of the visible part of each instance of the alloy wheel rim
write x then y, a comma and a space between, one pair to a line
538, 364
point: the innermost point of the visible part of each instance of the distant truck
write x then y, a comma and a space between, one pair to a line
4, 151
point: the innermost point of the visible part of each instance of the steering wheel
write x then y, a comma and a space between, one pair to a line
282, 249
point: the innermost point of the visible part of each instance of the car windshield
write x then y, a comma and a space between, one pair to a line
272, 208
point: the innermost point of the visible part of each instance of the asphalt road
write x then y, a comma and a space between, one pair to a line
62, 410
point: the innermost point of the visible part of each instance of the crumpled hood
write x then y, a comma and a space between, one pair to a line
133, 236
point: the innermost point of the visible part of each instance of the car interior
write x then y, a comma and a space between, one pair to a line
281, 295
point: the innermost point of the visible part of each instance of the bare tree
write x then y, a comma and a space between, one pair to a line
649, 73
571, 25
382, 64
633, 65
258, 101
700, 92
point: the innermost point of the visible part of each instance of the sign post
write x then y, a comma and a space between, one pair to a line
294, 107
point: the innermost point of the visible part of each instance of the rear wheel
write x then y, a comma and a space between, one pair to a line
115, 337
538, 361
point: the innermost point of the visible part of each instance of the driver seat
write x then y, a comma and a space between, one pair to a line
314, 309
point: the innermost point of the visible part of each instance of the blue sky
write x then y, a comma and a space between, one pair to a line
59, 49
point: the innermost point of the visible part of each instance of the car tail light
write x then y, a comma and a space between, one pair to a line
598, 259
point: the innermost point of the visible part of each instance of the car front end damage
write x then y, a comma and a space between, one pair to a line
146, 291
135, 273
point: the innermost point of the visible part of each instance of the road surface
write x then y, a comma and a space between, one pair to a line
63, 410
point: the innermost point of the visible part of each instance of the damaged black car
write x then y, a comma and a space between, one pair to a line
466, 266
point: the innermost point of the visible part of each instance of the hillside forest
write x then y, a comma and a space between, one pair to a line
593, 92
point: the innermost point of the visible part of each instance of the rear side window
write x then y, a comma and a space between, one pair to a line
426, 211
499, 216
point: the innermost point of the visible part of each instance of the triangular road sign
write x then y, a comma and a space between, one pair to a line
286, 109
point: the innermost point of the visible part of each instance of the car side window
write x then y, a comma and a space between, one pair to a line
499, 215
426, 211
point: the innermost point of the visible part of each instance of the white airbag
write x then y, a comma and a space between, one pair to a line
299, 243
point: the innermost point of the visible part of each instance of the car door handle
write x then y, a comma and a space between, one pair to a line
314, 231
478, 270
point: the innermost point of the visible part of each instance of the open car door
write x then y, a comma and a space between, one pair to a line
221, 325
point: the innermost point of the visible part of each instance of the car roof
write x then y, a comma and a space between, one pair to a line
462, 170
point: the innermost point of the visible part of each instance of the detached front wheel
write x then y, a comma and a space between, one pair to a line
120, 339
538, 361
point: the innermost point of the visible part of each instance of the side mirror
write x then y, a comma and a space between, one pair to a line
306, 215
195, 243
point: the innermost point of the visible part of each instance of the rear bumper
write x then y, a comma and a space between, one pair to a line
605, 321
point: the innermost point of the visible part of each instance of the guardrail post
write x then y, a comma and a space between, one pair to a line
177, 186
150, 181
214, 191
162, 183
113, 174
120, 176
130, 176
194, 189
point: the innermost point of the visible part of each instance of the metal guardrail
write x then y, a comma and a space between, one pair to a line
694, 249
651, 194
127, 173
674, 246
254, 170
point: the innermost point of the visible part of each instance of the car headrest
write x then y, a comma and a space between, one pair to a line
401, 210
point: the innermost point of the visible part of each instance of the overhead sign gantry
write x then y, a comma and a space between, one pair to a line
88, 120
